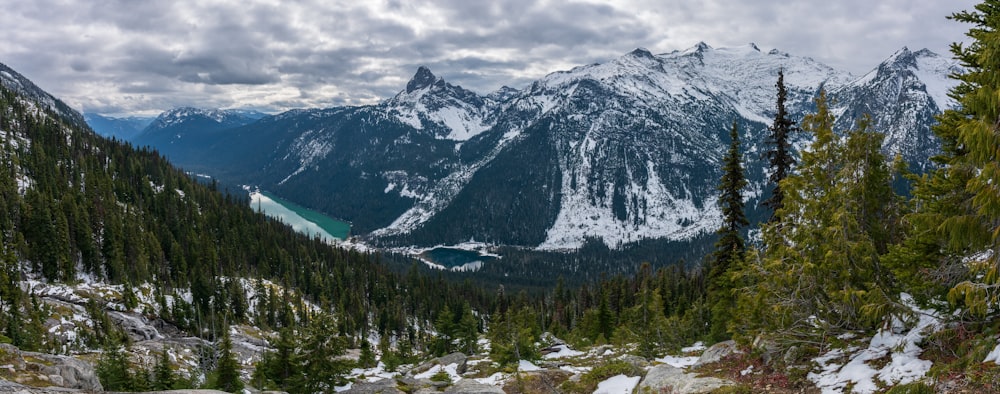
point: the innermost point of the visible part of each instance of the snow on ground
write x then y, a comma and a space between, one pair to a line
373, 374
496, 379
896, 343
696, 347
684, 361
618, 384
994, 356
679, 361
564, 351
527, 366
451, 369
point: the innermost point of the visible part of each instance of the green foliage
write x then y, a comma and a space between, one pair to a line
441, 376
513, 335
821, 271
780, 154
911, 388
124, 215
227, 372
969, 135
730, 248
588, 382
367, 357
114, 370
306, 361
163, 375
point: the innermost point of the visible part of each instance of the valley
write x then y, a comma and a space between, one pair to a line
705, 220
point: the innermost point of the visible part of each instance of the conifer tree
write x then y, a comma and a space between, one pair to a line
820, 271
958, 205
730, 247
113, 370
780, 154
163, 375
319, 366
227, 373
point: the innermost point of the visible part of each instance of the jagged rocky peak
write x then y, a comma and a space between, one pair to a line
641, 52
902, 59
422, 79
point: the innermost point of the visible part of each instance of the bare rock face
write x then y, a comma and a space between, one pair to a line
384, 386
665, 378
46, 370
469, 386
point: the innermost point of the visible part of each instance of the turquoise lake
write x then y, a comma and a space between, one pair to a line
302, 219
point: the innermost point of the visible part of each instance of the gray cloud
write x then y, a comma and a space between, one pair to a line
122, 56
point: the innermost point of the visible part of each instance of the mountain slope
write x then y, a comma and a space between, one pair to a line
121, 128
193, 126
77, 207
36, 96
622, 151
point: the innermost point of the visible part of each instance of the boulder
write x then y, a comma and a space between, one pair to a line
665, 378
717, 352
384, 386
460, 359
635, 361
469, 386
60, 371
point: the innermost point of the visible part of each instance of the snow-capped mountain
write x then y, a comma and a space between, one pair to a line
620, 151
179, 127
902, 96
446, 110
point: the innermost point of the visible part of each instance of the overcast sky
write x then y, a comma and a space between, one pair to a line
142, 57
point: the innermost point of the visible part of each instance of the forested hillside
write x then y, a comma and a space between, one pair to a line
78, 207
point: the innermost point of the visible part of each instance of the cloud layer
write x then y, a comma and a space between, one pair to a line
142, 57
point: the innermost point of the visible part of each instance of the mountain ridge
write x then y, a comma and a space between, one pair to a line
623, 150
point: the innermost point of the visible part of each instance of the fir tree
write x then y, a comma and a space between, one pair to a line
957, 212
780, 154
163, 375
820, 271
730, 247
227, 373
319, 366
113, 370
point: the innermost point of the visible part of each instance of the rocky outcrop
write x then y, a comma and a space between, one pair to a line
384, 386
459, 359
469, 386
717, 352
46, 370
665, 378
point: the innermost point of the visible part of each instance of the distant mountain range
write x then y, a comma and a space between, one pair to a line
125, 128
622, 151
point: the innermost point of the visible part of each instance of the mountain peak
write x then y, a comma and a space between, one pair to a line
422, 79
641, 52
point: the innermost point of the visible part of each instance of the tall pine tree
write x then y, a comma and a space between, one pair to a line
780, 154
730, 248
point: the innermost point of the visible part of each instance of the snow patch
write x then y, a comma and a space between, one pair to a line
527, 366
904, 366
618, 384
564, 351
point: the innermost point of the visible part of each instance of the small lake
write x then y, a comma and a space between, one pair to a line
302, 219
457, 259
